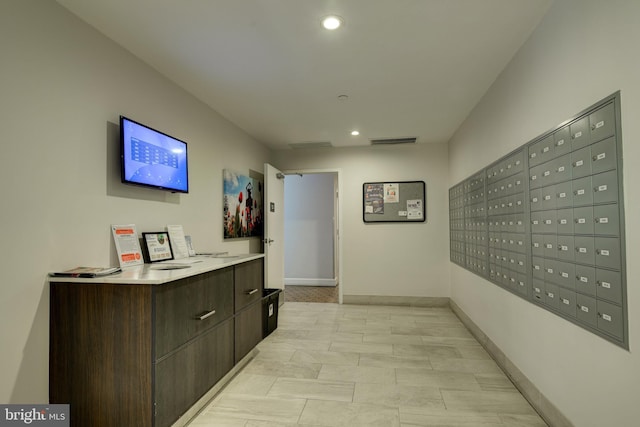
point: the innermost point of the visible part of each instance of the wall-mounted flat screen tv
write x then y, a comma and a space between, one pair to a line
151, 158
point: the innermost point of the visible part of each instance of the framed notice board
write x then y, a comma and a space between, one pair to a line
394, 201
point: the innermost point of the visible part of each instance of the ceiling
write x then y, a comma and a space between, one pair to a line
410, 68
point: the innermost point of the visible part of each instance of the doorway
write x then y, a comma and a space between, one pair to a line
311, 237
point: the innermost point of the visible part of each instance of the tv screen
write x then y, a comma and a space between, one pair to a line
151, 158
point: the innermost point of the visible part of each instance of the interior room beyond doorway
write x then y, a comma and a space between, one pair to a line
310, 236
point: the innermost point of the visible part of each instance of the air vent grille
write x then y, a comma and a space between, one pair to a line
391, 141
318, 144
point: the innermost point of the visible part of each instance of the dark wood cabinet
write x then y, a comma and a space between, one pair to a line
142, 354
189, 306
248, 329
249, 285
101, 352
185, 376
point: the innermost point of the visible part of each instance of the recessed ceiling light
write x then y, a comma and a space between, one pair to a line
332, 22
355, 133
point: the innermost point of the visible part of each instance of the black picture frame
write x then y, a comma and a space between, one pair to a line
158, 246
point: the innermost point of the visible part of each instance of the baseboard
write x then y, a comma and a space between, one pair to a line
547, 410
395, 300
310, 282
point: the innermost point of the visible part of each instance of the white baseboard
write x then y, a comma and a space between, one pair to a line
310, 282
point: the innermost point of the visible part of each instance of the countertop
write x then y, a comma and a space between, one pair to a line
154, 274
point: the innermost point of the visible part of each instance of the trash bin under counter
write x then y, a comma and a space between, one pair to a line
270, 303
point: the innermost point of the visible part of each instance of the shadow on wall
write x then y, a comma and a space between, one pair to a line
32, 368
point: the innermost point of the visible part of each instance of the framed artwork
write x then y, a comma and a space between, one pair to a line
242, 203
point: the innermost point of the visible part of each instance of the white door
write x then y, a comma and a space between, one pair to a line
274, 227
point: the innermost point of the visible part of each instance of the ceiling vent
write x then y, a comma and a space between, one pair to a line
393, 141
319, 144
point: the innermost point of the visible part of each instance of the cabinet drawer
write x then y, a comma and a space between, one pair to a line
248, 329
185, 376
248, 283
189, 306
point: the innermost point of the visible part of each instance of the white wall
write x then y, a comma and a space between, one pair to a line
583, 51
62, 87
387, 258
308, 229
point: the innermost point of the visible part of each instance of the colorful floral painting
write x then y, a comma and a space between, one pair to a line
243, 207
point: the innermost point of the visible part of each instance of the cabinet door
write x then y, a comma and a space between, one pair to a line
248, 332
190, 306
249, 283
185, 376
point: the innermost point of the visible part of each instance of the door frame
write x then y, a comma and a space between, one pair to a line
338, 226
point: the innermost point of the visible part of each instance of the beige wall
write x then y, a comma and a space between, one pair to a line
387, 258
583, 51
62, 87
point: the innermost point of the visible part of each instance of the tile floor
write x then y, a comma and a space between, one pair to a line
350, 365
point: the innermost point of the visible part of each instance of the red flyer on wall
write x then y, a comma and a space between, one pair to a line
127, 245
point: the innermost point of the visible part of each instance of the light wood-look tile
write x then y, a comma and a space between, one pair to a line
358, 374
340, 414
398, 395
326, 357
257, 408
362, 366
291, 388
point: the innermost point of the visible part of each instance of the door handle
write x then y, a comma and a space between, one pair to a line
268, 241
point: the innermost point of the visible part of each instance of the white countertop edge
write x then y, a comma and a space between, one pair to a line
147, 274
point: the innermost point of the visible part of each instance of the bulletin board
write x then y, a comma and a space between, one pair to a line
394, 201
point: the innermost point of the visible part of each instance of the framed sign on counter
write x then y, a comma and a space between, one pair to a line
397, 201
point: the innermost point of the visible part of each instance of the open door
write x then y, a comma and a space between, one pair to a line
274, 228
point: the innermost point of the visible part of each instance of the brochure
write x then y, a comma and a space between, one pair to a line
127, 245
86, 272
